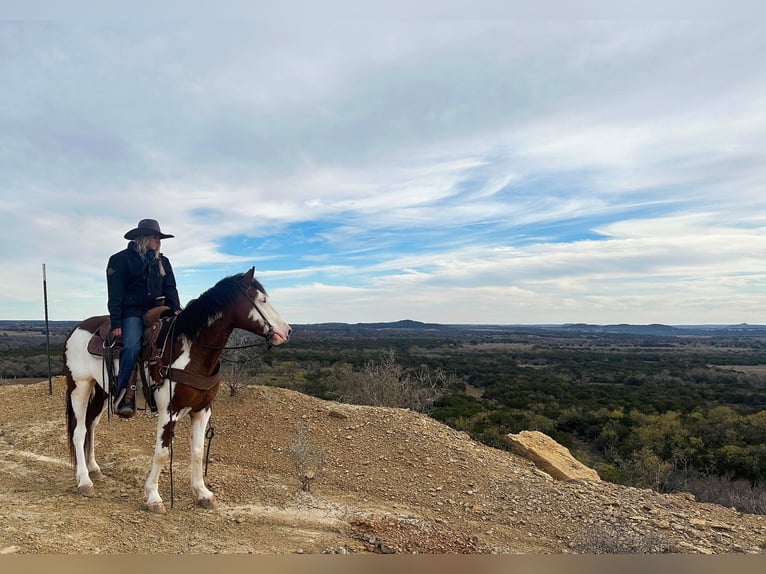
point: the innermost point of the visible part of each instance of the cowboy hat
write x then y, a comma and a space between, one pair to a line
147, 227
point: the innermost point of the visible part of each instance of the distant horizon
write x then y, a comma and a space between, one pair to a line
573, 324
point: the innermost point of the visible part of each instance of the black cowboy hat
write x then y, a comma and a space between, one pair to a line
147, 227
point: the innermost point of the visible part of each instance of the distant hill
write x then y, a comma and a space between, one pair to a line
411, 326
653, 330
403, 324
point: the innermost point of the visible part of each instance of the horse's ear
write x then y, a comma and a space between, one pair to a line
247, 278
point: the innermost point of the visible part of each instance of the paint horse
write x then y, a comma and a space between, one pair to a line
183, 378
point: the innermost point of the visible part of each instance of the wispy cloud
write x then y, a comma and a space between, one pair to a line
498, 171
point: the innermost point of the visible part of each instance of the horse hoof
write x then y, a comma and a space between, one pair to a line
208, 503
96, 475
157, 508
86, 490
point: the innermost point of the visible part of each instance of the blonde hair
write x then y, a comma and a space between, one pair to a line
142, 246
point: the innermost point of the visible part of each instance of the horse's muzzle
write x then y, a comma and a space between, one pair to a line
280, 336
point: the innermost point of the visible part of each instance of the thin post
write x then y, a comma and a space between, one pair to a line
47, 332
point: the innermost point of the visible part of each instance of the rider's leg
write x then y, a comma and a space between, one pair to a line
132, 331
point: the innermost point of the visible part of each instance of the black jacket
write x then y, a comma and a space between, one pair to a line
135, 283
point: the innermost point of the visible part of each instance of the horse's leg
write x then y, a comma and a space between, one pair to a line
165, 425
94, 470
80, 397
199, 420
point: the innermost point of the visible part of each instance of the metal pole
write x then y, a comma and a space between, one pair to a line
47, 332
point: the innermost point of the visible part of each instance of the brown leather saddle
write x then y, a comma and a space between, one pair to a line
102, 344
157, 325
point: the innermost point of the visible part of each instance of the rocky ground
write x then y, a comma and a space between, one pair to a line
389, 481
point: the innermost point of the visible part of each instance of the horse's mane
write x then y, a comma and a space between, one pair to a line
198, 312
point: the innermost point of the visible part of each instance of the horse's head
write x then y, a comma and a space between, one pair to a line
257, 314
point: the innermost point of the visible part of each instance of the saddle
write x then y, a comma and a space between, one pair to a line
103, 344
157, 323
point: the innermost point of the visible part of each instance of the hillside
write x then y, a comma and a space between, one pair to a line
393, 481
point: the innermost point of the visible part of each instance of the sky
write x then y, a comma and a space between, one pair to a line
449, 170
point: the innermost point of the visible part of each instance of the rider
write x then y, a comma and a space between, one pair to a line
138, 278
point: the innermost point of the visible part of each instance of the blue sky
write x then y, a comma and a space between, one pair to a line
447, 170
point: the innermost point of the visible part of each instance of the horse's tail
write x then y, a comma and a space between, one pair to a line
70, 418
70, 421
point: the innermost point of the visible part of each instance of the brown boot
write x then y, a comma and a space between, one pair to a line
127, 406
126, 409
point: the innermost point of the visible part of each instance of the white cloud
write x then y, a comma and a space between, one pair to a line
479, 171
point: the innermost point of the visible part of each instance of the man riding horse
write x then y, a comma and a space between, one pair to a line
138, 278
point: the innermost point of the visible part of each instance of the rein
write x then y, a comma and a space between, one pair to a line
227, 348
107, 374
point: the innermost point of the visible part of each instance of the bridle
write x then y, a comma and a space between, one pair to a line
266, 321
254, 303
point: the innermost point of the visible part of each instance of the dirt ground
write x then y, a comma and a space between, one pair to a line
391, 481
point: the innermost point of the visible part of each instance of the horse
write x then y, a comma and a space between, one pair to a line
183, 377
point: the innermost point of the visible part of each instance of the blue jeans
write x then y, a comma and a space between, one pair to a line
132, 331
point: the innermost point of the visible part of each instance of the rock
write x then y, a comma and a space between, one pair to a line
550, 456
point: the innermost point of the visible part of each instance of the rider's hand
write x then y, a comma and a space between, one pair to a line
117, 333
